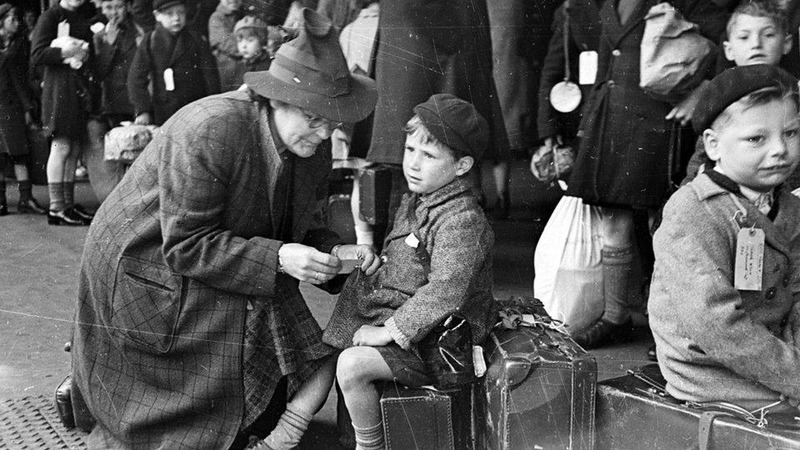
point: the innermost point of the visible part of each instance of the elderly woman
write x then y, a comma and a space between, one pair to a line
189, 313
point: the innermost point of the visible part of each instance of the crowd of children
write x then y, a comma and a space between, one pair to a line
725, 278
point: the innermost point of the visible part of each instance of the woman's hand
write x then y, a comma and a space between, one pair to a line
372, 336
370, 262
684, 111
143, 119
307, 263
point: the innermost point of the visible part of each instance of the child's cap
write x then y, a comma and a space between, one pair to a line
733, 84
455, 123
158, 5
249, 22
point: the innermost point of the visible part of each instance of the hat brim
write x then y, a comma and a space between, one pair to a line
352, 107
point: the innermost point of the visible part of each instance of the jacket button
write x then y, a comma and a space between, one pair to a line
770, 294
785, 281
616, 52
611, 83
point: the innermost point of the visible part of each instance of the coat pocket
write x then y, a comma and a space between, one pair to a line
146, 304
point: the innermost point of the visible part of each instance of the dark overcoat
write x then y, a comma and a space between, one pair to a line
16, 98
113, 64
428, 47
176, 255
193, 66
623, 160
64, 114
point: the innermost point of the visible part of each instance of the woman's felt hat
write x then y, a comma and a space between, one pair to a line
310, 72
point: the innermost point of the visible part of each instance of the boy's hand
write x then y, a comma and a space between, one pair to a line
372, 336
307, 263
370, 262
143, 119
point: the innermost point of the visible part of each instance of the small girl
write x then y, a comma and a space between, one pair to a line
15, 111
66, 102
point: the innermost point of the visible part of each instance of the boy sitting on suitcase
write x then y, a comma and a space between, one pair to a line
724, 299
437, 261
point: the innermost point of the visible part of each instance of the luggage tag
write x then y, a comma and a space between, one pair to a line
749, 259
412, 241
565, 96
169, 80
63, 29
349, 265
587, 67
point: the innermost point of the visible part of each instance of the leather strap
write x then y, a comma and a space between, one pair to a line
704, 429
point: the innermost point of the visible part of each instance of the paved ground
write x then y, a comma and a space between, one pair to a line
38, 285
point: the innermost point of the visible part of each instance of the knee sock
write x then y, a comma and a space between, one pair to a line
617, 262
290, 429
25, 190
56, 191
370, 438
69, 194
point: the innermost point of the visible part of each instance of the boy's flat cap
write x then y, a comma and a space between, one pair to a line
158, 5
733, 84
455, 123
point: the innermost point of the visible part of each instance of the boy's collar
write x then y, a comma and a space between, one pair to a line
456, 187
764, 201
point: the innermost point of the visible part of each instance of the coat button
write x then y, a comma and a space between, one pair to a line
616, 52
770, 294
611, 83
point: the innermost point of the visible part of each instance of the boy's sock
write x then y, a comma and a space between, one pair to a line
290, 429
69, 194
617, 262
56, 191
25, 190
370, 438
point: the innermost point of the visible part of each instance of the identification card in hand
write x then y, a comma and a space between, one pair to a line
749, 259
349, 265
169, 80
587, 67
63, 29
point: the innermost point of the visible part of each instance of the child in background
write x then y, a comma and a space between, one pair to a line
252, 38
438, 261
757, 33
179, 62
726, 329
67, 102
223, 41
15, 111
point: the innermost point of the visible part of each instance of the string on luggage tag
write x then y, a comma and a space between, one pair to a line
741, 213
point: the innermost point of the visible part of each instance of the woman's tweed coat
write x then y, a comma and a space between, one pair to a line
715, 342
449, 271
625, 140
16, 98
176, 255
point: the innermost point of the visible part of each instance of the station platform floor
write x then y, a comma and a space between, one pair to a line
39, 264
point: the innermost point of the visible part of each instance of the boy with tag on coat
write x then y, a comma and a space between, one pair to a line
724, 304
178, 60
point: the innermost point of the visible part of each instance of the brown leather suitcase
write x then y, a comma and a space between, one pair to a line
540, 384
421, 418
634, 409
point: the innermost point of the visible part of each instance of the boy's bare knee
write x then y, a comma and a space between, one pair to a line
352, 368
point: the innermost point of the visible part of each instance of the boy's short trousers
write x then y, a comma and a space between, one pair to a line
407, 367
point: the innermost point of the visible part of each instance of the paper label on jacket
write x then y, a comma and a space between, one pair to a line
169, 81
412, 241
587, 67
63, 29
749, 259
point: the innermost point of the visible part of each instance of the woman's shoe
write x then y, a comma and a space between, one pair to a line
3, 209
603, 332
65, 217
84, 213
30, 206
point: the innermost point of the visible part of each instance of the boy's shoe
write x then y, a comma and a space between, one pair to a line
30, 206
65, 217
3, 209
603, 332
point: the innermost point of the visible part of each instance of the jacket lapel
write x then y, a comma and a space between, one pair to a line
180, 48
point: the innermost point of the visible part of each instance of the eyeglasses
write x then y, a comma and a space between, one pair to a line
319, 122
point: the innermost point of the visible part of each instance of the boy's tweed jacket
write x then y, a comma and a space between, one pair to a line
193, 66
175, 257
715, 342
450, 270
